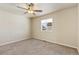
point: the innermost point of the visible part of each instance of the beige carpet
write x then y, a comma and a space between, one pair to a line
36, 47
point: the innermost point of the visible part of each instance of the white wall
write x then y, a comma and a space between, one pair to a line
13, 27
78, 27
65, 28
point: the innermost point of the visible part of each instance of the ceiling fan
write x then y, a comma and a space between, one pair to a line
30, 8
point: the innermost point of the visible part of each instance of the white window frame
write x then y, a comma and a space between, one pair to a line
47, 28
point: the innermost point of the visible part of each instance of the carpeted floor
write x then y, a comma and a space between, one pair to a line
36, 47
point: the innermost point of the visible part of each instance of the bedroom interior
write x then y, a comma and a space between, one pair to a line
39, 29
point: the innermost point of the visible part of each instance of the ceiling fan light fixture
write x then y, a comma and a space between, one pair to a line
30, 11
30, 8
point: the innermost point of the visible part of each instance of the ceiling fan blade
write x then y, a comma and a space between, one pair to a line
38, 10
27, 3
31, 4
34, 14
21, 7
25, 12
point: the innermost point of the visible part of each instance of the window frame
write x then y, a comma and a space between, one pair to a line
47, 30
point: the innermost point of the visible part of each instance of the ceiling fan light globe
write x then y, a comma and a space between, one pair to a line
31, 12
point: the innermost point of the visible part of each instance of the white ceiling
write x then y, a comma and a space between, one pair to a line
46, 7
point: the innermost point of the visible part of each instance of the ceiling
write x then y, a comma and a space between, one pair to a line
46, 7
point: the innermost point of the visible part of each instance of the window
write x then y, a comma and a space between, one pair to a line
46, 24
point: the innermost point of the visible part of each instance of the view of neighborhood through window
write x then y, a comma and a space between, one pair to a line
46, 24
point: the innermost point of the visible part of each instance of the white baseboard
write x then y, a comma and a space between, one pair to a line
58, 43
9, 42
5, 43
